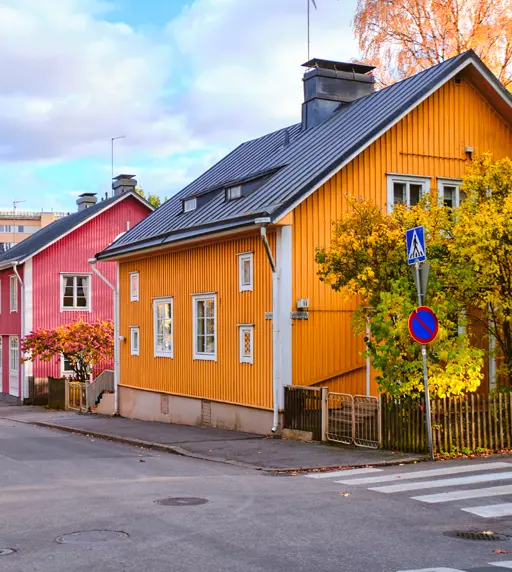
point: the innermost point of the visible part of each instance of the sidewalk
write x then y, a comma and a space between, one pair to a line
241, 449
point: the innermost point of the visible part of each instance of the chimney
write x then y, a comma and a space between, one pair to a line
123, 184
86, 200
328, 85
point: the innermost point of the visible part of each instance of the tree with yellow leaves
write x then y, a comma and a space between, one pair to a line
402, 37
367, 259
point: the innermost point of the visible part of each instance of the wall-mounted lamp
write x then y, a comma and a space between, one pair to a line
469, 152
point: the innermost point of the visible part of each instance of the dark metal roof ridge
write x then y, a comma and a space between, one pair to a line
181, 234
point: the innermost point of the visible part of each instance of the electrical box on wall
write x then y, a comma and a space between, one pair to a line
302, 303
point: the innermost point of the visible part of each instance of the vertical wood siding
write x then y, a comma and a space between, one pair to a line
429, 141
71, 254
209, 268
10, 322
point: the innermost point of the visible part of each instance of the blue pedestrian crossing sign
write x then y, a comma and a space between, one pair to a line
416, 251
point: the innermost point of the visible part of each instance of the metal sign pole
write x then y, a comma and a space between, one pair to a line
425, 371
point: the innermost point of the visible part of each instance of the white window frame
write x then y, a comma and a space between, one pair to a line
165, 300
65, 372
190, 205
234, 193
202, 298
408, 180
134, 297
242, 258
13, 293
134, 334
14, 370
442, 183
75, 308
242, 329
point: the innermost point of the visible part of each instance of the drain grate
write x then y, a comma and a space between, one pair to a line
182, 501
85, 536
478, 535
6, 551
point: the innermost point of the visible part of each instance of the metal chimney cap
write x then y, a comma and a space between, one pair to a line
123, 176
88, 195
338, 66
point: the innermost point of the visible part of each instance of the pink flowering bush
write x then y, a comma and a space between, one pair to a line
84, 344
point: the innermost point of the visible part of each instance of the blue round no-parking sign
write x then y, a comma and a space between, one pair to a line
423, 325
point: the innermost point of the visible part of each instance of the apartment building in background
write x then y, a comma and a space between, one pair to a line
16, 225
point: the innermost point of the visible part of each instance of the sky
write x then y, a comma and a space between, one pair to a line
185, 81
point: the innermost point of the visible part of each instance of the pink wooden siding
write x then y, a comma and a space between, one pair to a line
10, 322
71, 255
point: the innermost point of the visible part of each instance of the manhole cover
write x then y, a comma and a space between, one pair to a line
478, 535
6, 551
85, 536
183, 501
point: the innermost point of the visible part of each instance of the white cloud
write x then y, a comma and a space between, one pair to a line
221, 72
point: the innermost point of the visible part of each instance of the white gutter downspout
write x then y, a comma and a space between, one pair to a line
276, 352
22, 310
92, 262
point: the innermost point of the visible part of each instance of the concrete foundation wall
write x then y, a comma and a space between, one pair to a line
154, 406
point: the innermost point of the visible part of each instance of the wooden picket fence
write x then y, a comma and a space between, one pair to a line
458, 425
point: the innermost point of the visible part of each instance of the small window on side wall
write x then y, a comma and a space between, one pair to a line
449, 193
246, 343
406, 189
13, 293
245, 272
134, 341
134, 286
234, 193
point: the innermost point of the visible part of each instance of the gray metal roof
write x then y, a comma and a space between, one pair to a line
48, 234
300, 165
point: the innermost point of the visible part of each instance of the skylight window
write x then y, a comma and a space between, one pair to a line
234, 193
189, 205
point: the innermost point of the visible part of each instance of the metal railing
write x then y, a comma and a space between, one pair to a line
340, 420
367, 421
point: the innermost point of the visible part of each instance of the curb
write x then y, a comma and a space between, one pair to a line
173, 449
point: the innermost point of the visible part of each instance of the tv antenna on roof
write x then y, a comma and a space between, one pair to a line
309, 2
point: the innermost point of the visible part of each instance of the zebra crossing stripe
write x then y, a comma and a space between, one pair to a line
347, 473
467, 494
443, 483
492, 510
427, 474
504, 564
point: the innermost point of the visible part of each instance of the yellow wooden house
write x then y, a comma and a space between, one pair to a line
220, 303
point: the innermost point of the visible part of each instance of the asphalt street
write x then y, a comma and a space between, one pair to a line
72, 503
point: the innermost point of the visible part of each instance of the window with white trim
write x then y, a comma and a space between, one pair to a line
246, 343
134, 340
449, 192
66, 367
163, 327
75, 292
204, 310
134, 286
245, 271
14, 355
234, 193
189, 205
406, 189
13, 293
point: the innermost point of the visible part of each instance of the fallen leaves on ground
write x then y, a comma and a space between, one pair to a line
344, 494
500, 551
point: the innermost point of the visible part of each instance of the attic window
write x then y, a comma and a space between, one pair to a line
234, 193
189, 205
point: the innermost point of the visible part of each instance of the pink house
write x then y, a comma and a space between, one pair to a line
46, 280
